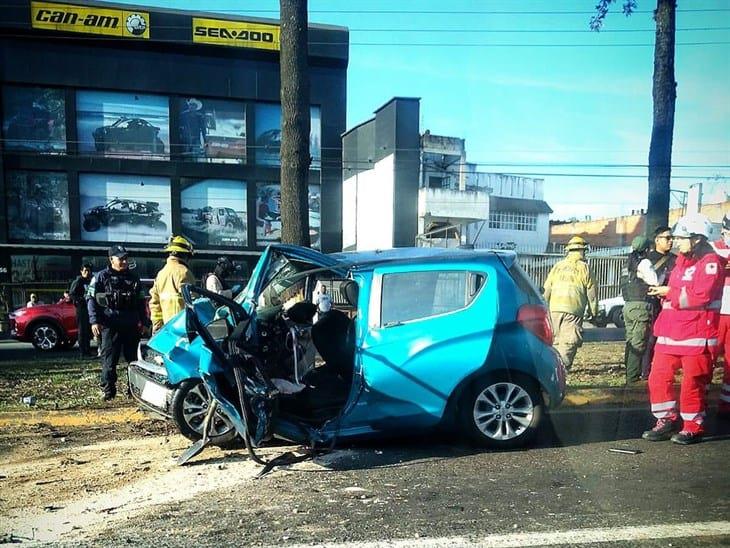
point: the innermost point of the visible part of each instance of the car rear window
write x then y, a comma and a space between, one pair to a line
524, 282
409, 296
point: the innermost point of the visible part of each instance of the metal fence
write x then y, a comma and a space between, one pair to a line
606, 270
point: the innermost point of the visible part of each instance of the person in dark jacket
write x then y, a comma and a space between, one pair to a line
662, 261
77, 291
637, 276
116, 305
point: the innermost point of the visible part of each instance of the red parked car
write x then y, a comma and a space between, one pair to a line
47, 326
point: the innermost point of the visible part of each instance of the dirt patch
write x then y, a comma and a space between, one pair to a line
64, 484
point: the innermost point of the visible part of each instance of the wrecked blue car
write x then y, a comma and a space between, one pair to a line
416, 338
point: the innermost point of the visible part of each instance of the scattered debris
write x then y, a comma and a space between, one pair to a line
625, 451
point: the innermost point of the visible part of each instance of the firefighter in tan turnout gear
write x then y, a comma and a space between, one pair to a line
165, 296
568, 289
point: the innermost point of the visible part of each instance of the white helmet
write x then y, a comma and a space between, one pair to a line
694, 224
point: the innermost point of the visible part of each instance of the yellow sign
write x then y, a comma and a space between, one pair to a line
235, 33
90, 20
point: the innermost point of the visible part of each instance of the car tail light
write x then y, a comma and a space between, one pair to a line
535, 318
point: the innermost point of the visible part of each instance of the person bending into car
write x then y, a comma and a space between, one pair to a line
116, 305
77, 291
686, 332
216, 280
165, 296
569, 288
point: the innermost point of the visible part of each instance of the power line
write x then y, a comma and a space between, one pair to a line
110, 39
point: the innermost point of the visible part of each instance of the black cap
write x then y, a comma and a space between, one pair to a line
118, 251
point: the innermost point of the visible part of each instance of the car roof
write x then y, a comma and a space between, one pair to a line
422, 255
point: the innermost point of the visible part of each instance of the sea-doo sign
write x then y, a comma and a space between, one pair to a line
90, 20
240, 34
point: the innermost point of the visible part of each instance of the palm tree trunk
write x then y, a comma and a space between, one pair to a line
664, 95
295, 123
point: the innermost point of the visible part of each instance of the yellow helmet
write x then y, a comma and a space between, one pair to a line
576, 243
179, 244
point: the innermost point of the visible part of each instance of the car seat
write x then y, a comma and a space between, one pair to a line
333, 334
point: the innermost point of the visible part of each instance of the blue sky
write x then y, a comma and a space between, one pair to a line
533, 91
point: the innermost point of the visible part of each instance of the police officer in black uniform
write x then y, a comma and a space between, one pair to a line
77, 291
116, 305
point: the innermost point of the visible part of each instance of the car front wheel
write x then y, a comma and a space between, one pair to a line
92, 224
190, 404
502, 411
46, 336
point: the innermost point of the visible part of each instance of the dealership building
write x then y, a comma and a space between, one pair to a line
129, 124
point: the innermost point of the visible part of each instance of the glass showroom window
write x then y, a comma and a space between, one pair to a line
408, 296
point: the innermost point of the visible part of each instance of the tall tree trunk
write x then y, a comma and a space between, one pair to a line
294, 123
664, 94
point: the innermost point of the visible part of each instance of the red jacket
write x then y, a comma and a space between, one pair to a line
722, 249
688, 322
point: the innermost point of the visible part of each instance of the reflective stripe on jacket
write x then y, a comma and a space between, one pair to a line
165, 297
570, 287
688, 322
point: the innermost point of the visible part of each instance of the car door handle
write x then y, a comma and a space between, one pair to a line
392, 324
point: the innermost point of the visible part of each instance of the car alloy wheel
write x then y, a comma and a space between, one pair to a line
46, 336
503, 411
190, 404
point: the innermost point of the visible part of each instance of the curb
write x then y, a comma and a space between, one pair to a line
576, 397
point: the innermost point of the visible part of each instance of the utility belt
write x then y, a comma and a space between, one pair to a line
118, 300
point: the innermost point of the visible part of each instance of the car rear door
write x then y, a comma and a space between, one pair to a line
428, 328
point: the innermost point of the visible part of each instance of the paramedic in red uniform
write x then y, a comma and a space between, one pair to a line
687, 334
722, 248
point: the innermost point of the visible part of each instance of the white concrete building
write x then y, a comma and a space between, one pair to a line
401, 188
518, 217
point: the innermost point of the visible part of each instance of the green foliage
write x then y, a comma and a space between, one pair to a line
602, 10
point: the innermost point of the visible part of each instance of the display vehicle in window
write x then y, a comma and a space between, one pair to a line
123, 211
129, 134
417, 339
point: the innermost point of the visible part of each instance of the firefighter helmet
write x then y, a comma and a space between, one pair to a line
694, 224
576, 243
179, 244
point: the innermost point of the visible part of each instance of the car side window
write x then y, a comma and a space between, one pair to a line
408, 296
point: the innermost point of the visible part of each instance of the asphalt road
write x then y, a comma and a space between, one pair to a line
569, 490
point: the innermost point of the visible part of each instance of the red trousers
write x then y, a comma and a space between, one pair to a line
696, 375
724, 340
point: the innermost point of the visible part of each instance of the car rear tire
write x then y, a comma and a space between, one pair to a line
502, 411
189, 405
617, 316
46, 336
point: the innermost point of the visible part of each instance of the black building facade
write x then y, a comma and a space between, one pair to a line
128, 124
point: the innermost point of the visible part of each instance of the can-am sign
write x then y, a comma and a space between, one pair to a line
90, 20
241, 34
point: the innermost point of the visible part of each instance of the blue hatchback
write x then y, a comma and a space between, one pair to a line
416, 338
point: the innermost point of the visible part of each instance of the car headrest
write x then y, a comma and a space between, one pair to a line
302, 312
350, 290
